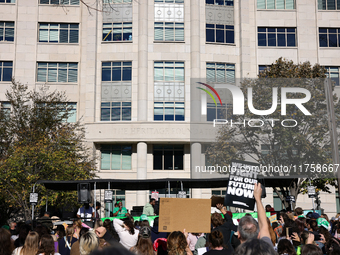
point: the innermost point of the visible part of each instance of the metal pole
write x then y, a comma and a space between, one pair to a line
169, 188
46, 202
33, 206
332, 127
108, 212
181, 186
95, 200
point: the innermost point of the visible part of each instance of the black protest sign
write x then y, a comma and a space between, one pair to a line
240, 190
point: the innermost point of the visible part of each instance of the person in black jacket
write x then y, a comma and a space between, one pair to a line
225, 226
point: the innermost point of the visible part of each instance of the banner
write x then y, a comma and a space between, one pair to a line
240, 189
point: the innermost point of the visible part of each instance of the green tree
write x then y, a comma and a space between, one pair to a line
37, 143
272, 144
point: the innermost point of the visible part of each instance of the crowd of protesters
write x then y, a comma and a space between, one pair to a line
292, 234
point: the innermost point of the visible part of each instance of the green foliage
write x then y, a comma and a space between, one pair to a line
306, 143
38, 144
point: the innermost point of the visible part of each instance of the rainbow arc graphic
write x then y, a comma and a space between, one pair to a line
209, 93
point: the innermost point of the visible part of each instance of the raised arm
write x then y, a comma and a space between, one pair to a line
261, 213
118, 225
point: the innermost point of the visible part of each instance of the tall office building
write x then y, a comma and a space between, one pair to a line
126, 66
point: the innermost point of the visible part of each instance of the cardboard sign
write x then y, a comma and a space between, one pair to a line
216, 200
242, 180
176, 214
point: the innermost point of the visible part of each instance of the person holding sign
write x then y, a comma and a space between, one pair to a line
259, 241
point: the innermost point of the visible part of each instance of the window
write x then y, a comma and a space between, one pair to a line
215, 111
329, 37
6, 68
219, 33
276, 4
115, 111
57, 72
121, 31
168, 157
116, 76
169, 91
7, 1
115, 157
333, 73
5, 109
220, 2
63, 2
262, 68
220, 72
72, 112
169, 71
169, 31
170, 1
6, 31
276, 37
169, 111
329, 4
58, 33
116, 71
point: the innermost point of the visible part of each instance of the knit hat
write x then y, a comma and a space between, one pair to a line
322, 222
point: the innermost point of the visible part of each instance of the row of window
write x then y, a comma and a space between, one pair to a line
172, 31
261, 4
165, 157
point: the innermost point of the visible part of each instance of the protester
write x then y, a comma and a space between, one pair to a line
192, 240
88, 242
77, 224
285, 247
127, 233
46, 246
311, 249
75, 247
177, 244
109, 227
149, 208
98, 206
216, 244
65, 243
98, 223
225, 226
6, 244
144, 244
254, 246
31, 245
13, 228
46, 220
24, 229
120, 210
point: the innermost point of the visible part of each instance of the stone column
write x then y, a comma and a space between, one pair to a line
141, 171
195, 161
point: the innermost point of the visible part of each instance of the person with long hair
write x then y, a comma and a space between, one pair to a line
285, 247
109, 227
77, 224
46, 246
128, 235
65, 243
177, 244
31, 245
75, 247
271, 232
6, 244
144, 244
216, 245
